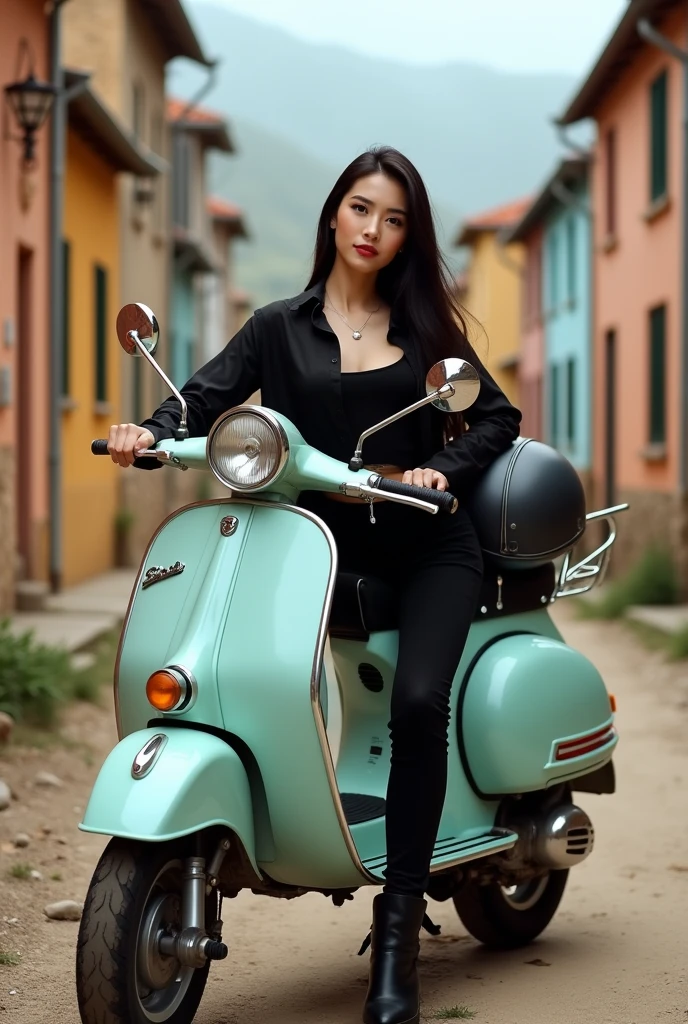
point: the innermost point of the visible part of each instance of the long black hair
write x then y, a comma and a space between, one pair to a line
417, 283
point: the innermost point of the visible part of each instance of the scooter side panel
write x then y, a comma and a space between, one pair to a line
196, 781
178, 620
525, 694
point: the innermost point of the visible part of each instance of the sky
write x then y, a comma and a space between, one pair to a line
511, 35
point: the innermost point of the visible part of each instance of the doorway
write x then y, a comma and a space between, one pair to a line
25, 271
610, 418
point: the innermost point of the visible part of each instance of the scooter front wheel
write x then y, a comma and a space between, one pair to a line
506, 918
121, 975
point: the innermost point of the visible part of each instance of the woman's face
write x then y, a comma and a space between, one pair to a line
371, 223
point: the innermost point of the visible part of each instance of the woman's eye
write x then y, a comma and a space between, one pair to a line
397, 223
359, 208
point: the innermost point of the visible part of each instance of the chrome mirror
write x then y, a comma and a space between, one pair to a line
138, 333
463, 379
137, 322
452, 385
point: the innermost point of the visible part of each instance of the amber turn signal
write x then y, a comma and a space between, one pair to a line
612, 702
164, 691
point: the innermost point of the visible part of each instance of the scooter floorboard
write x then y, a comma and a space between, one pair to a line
451, 850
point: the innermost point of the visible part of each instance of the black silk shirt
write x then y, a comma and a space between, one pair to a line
289, 351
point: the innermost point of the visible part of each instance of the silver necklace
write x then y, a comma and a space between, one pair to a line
357, 334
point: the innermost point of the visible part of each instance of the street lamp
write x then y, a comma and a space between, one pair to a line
30, 101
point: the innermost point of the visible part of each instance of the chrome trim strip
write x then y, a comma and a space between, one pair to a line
507, 844
317, 661
276, 426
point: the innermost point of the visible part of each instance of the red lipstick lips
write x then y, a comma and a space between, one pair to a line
366, 250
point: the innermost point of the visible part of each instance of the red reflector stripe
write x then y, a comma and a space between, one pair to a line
584, 744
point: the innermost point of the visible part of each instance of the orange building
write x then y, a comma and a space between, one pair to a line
99, 149
24, 314
640, 355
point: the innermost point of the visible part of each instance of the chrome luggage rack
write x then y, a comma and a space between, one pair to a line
593, 567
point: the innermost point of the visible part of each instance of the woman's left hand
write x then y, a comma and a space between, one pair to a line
426, 478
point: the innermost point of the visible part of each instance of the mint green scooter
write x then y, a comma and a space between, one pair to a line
229, 773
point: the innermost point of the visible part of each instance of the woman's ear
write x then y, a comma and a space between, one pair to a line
333, 223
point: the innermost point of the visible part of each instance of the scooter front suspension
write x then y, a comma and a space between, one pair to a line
193, 947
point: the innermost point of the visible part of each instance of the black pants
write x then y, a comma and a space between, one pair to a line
436, 564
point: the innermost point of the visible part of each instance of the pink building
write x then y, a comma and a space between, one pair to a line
24, 317
640, 355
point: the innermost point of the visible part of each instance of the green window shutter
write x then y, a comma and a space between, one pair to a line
571, 401
66, 315
101, 333
658, 375
658, 137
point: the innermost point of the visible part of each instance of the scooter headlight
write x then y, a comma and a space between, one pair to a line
247, 448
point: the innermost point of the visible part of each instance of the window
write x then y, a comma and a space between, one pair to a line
571, 402
553, 272
554, 404
657, 424
180, 179
571, 277
610, 181
100, 287
658, 137
66, 315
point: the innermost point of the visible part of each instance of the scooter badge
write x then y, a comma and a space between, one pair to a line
156, 573
228, 526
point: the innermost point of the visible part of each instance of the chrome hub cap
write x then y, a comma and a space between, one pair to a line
525, 896
161, 981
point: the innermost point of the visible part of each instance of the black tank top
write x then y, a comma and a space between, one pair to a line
372, 395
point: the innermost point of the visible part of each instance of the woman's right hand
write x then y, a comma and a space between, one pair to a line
126, 441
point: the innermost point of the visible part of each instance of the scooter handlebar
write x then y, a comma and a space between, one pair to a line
445, 501
100, 447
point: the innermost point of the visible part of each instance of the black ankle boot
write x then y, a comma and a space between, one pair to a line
393, 990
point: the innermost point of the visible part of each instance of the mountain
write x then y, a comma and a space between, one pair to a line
282, 189
303, 111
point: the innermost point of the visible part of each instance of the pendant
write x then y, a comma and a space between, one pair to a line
357, 335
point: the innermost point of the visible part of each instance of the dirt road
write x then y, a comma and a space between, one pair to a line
617, 953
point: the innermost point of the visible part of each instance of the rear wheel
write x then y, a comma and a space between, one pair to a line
122, 977
506, 918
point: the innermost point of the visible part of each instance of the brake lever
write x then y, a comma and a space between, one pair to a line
368, 493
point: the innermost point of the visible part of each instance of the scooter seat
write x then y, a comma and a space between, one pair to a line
366, 604
362, 605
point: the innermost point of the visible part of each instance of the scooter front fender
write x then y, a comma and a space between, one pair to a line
184, 782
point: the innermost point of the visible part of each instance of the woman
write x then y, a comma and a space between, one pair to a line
349, 351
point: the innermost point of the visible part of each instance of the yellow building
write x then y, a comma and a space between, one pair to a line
491, 292
98, 150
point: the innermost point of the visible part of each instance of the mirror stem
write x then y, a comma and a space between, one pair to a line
182, 431
356, 462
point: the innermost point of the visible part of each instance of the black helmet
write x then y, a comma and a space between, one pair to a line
528, 507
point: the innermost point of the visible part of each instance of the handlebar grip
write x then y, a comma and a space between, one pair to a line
100, 447
445, 501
